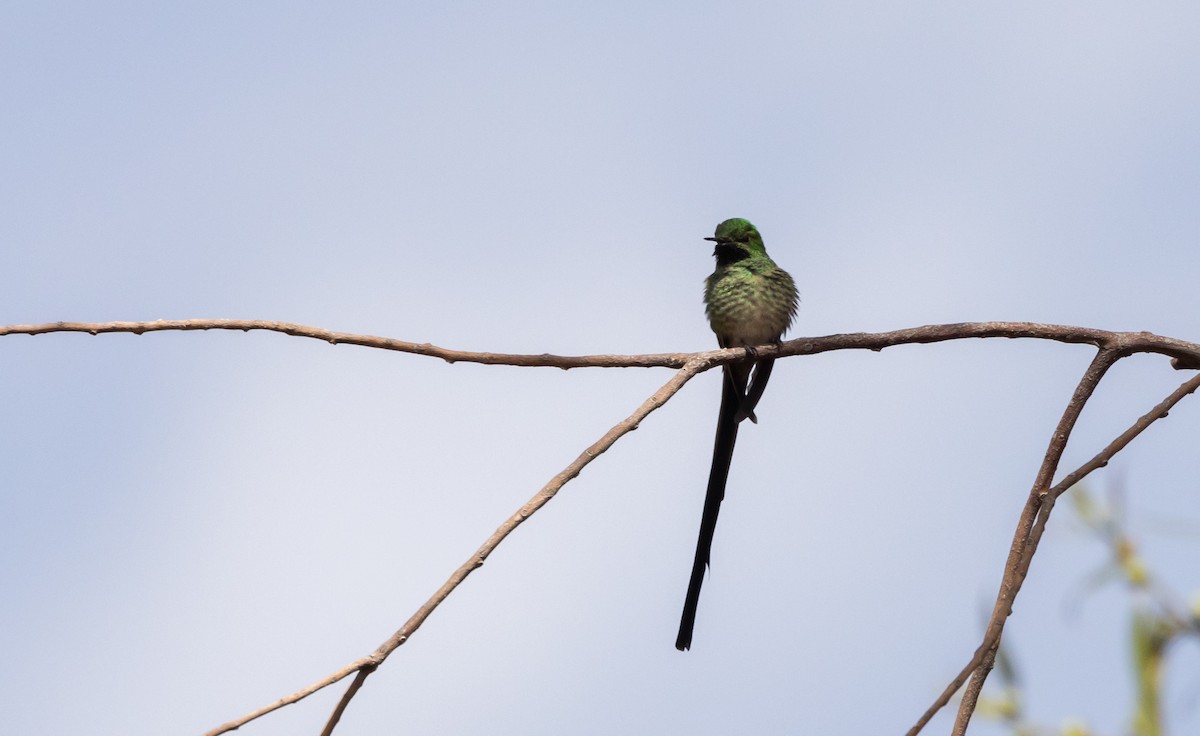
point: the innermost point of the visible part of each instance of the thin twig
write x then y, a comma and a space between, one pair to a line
347, 696
971, 694
1186, 354
1143, 422
355, 666
1071, 479
1011, 582
368, 664
1036, 510
674, 360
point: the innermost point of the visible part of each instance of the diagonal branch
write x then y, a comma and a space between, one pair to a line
345, 700
1122, 440
1036, 511
981, 659
1011, 582
365, 666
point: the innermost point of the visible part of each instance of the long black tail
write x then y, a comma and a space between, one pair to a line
732, 398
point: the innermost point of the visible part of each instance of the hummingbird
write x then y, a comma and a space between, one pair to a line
750, 301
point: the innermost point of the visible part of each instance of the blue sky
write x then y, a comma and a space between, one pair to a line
193, 525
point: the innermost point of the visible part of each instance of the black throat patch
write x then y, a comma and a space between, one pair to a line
730, 253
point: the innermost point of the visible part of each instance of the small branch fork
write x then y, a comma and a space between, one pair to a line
1032, 525
1112, 346
368, 664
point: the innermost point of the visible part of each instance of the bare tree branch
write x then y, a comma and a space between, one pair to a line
1112, 347
1037, 508
356, 666
1186, 354
674, 360
1011, 582
1101, 459
971, 696
990, 642
368, 664
345, 700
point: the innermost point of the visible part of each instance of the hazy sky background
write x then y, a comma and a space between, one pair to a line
194, 525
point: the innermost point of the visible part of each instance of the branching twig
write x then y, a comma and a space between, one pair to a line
1033, 516
1113, 346
368, 664
1101, 459
345, 700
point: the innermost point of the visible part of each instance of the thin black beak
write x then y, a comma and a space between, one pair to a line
712, 239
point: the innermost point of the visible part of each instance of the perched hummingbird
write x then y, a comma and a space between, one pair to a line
750, 301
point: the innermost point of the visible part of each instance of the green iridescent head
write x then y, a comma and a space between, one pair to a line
736, 238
